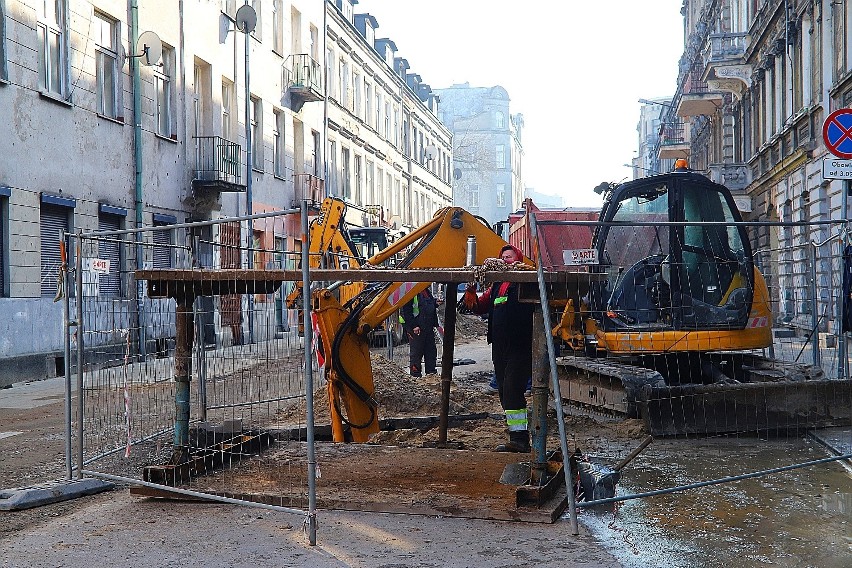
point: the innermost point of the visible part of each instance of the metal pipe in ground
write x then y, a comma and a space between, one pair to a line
450, 304
554, 379
66, 327
309, 379
184, 330
78, 264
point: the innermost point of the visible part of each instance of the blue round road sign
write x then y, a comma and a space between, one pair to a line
837, 133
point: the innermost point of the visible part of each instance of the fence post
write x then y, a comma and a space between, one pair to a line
842, 361
309, 378
817, 360
78, 263
66, 340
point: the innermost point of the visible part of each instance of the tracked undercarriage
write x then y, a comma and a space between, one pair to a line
708, 393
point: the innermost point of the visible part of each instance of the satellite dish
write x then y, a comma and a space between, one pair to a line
149, 48
457, 173
431, 152
246, 19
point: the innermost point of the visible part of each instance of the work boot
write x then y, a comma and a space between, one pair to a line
519, 443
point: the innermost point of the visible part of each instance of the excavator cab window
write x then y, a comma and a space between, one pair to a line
674, 276
714, 274
368, 241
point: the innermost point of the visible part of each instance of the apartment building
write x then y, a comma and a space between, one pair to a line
389, 155
487, 150
757, 79
651, 115
100, 137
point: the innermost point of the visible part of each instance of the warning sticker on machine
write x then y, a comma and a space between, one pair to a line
579, 256
758, 322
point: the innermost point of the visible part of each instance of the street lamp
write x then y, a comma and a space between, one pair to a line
246, 20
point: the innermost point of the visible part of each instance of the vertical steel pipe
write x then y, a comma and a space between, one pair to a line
540, 393
450, 303
183, 364
554, 379
66, 329
309, 378
78, 264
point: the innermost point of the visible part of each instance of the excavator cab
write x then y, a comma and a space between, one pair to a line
673, 277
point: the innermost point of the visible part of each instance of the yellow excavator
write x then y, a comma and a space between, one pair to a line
673, 326
345, 326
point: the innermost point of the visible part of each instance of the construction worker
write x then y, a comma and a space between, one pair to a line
510, 336
419, 317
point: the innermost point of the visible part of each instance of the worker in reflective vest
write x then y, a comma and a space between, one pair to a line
419, 317
510, 336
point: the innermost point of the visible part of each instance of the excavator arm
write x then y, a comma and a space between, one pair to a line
329, 248
344, 327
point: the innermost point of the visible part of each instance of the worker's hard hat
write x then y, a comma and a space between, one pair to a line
681, 165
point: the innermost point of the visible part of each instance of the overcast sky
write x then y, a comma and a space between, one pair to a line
574, 69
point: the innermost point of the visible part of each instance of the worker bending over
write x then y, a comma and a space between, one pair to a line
510, 336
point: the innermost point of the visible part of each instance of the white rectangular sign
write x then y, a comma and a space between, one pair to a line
835, 168
579, 256
99, 265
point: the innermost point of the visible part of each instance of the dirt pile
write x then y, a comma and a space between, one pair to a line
470, 326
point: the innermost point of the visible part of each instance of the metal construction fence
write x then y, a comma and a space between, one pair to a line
691, 347
163, 405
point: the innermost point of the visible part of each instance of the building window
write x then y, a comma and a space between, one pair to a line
279, 144
55, 217
329, 64
163, 94
332, 167
357, 195
106, 70
5, 192
256, 119
345, 179
161, 238
396, 127
378, 121
387, 121
499, 119
315, 154
109, 248
473, 198
258, 28
370, 198
397, 195
4, 71
227, 115
500, 156
368, 102
52, 55
277, 27
359, 93
501, 195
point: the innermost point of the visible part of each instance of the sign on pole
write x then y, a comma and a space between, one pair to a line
835, 168
837, 133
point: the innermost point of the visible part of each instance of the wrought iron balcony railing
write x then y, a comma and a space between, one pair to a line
217, 161
672, 133
302, 74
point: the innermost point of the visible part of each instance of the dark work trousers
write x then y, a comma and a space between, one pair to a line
423, 348
512, 368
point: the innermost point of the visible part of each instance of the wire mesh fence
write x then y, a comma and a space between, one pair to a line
179, 388
707, 328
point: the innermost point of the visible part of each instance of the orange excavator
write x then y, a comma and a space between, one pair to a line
345, 326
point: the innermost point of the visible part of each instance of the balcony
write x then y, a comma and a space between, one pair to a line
697, 98
725, 70
310, 187
673, 141
218, 164
302, 77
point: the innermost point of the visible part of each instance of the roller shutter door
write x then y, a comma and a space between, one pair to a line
108, 249
54, 222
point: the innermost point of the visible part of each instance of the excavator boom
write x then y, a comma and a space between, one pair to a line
344, 327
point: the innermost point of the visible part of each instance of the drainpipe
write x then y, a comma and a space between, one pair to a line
249, 208
137, 155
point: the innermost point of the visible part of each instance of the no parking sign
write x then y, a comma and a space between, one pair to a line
837, 133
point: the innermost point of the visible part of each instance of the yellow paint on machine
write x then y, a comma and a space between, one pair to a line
756, 335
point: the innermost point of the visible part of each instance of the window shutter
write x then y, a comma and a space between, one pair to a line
108, 249
54, 221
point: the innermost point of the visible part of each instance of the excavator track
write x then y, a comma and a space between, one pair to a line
759, 395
